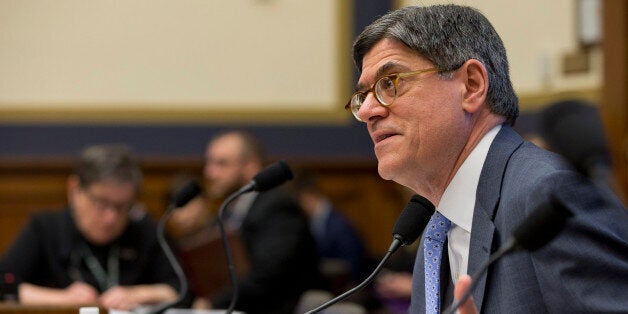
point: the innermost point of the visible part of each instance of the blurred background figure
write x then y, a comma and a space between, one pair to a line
573, 128
268, 228
192, 223
340, 247
102, 249
392, 288
195, 233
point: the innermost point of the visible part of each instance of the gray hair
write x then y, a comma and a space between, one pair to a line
448, 36
108, 162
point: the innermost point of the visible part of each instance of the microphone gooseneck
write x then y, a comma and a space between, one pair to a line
180, 198
410, 224
268, 178
542, 225
183, 282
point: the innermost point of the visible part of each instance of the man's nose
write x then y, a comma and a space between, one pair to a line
371, 108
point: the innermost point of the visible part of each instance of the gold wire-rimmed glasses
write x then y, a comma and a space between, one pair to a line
384, 89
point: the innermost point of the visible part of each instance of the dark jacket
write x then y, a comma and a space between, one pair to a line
282, 255
48, 252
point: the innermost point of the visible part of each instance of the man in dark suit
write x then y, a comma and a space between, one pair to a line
435, 94
273, 229
339, 244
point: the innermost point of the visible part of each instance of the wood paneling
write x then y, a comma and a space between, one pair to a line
371, 203
615, 89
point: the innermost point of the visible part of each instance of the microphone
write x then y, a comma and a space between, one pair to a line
539, 227
410, 224
185, 194
266, 179
180, 198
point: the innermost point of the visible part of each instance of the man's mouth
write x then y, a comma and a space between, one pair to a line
383, 137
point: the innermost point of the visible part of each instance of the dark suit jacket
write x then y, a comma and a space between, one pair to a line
341, 241
583, 270
282, 256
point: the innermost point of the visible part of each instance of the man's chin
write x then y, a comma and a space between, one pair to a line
221, 194
100, 240
385, 171
392, 167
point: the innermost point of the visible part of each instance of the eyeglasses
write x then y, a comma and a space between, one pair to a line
103, 204
385, 91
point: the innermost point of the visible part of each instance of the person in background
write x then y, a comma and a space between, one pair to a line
193, 223
338, 242
435, 95
573, 128
393, 286
273, 228
196, 235
102, 249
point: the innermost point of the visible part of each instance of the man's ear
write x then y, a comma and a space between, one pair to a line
476, 83
73, 185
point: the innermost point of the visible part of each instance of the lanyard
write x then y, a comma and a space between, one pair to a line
105, 279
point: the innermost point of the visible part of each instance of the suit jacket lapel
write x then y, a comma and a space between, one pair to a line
487, 201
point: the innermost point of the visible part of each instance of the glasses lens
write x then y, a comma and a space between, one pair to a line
356, 103
103, 204
385, 90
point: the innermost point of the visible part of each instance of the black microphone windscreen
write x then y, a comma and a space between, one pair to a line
185, 194
542, 225
272, 176
413, 219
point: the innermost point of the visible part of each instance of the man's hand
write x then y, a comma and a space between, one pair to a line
119, 298
394, 285
81, 293
129, 297
78, 293
468, 307
201, 303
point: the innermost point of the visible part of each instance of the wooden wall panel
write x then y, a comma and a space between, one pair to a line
371, 203
614, 107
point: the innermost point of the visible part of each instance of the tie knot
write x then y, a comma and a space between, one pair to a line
437, 227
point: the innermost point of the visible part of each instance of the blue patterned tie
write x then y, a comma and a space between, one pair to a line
434, 240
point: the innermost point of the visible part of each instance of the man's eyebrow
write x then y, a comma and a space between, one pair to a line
388, 67
385, 69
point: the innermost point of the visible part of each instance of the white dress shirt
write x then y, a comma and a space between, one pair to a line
458, 202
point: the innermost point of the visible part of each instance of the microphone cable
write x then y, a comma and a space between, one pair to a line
172, 259
180, 198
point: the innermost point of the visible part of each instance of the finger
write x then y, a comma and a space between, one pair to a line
463, 284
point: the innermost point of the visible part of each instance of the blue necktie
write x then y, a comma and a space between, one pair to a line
434, 240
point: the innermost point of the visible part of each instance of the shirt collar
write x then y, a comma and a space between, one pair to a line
458, 200
240, 209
